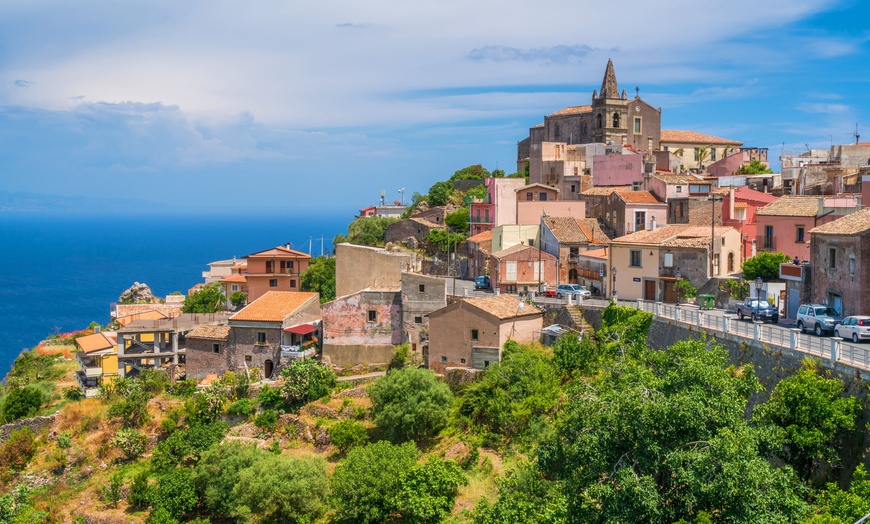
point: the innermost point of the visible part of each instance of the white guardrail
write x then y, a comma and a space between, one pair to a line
829, 348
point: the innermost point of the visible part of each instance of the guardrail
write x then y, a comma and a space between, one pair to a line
834, 349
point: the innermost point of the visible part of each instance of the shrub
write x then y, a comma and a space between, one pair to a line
153, 381
410, 404
187, 443
112, 491
306, 380
18, 449
132, 409
429, 491
175, 493
401, 358
140, 490
266, 420
347, 434
130, 442
21, 403
183, 388
270, 398
168, 424
73, 393
238, 298
64, 441
241, 407
161, 516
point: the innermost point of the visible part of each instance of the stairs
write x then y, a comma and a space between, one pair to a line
577, 321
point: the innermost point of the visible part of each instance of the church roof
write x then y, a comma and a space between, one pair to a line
572, 110
609, 88
852, 224
677, 136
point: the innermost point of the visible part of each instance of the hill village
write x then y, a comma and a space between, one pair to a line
603, 198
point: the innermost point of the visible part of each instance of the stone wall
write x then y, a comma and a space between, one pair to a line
36, 424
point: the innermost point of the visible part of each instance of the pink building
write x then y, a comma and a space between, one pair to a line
522, 269
783, 225
276, 269
738, 211
498, 207
617, 170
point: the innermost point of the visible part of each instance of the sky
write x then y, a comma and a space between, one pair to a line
288, 106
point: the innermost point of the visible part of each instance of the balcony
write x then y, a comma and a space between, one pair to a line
765, 243
297, 352
481, 220
90, 386
89, 365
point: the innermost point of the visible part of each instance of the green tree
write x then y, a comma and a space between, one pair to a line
238, 298
320, 278
445, 240
703, 154
217, 473
17, 450
283, 489
812, 416
367, 231
347, 434
524, 497
572, 353
764, 265
306, 380
365, 483
410, 403
429, 491
21, 403
209, 299
112, 490
846, 506
458, 220
685, 288
189, 443
475, 172
439, 193
175, 493
755, 167
141, 491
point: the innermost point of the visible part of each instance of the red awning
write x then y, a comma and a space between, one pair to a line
301, 329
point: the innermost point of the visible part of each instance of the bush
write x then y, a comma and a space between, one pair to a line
183, 388
175, 493
161, 516
64, 441
410, 404
270, 398
238, 298
401, 358
266, 420
186, 444
132, 409
18, 449
112, 490
73, 393
168, 424
242, 407
429, 491
140, 491
130, 442
347, 434
209, 299
21, 403
306, 380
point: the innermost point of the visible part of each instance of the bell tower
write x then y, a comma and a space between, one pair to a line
609, 111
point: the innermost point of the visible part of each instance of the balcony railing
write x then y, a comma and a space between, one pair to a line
89, 366
765, 243
297, 352
90, 386
480, 220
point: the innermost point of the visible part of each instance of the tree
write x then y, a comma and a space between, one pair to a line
320, 278
703, 153
439, 193
524, 497
238, 298
282, 489
685, 288
458, 220
444, 239
209, 299
365, 483
755, 167
21, 403
306, 380
764, 265
366, 231
217, 473
811, 415
845, 507
175, 493
410, 403
429, 491
572, 353
347, 434
475, 172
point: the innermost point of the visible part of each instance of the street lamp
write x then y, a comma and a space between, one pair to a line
613, 292
758, 284
679, 277
402, 195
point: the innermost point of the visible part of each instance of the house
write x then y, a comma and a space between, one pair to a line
276, 269
394, 211
232, 284
595, 195
840, 257
478, 248
591, 267
647, 263
565, 239
782, 225
158, 343
688, 145
98, 362
537, 200
738, 211
507, 236
209, 351
629, 211
566, 166
382, 268
621, 169
471, 333
421, 294
498, 207
363, 327
522, 268
218, 269
411, 231
729, 164
685, 194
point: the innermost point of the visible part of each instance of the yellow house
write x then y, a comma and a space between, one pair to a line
98, 359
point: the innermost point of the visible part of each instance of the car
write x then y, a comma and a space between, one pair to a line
482, 282
548, 293
855, 327
818, 318
563, 290
757, 309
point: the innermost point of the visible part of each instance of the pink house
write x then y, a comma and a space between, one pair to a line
498, 207
783, 225
738, 211
617, 170
522, 268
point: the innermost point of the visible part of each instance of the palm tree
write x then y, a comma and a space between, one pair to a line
703, 154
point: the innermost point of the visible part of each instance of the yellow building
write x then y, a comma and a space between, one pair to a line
98, 359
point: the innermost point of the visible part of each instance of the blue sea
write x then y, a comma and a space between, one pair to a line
59, 273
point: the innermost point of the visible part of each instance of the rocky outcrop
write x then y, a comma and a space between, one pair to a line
36, 424
138, 294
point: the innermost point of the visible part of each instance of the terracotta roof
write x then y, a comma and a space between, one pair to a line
279, 251
210, 332
748, 194
691, 137
95, 342
675, 235
638, 197
740, 205
274, 306
537, 184
503, 306
425, 222
719, 190
851, 224
480, 237
595, 253
670, 178
572, 110
514, 249
791, 206
147, 315
235, 278
605, 190
569, 230
241, 265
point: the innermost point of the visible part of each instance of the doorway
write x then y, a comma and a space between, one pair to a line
649, 290
670, 294
268, 367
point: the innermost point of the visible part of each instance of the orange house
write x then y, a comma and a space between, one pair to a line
277, 269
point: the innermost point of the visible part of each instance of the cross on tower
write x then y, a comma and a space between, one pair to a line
636, 92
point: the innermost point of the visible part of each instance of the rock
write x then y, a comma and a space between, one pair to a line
137, 294
357, 392
322, 439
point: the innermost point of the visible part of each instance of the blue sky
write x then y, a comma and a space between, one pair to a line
277, 106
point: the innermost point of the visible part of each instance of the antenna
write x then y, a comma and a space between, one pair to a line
857, 136
383, 195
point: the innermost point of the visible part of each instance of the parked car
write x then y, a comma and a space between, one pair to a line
818, 318
482, 282
855, 327
757, 309
548, 293
564, 290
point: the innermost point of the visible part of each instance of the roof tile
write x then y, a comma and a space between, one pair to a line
503, 306
676, 136
851, 224
274, 306
791, 206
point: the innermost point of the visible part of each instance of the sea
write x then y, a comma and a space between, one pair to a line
60, 272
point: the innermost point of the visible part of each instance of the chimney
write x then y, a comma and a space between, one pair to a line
652, 223
731, 203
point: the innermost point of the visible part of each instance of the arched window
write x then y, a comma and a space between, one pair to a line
615, 119
730, 261
600, 121
572, 276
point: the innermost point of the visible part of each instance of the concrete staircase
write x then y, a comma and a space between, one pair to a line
578, 322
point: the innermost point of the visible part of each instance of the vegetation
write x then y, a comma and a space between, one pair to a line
445, 240
685, 288
21, 403
320, 278
209, 299
755, 167
368, 231
764, 265
347, 434
410, 404
238, 298
306, 380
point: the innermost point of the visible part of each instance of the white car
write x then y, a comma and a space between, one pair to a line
572, 289
856, 328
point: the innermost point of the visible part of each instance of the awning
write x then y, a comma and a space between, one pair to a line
301, 329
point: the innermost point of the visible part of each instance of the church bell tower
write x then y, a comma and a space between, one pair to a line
609, 111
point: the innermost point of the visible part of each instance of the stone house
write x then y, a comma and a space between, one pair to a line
522, 268
783, 224
362, 327
411, 231
381, 268
840, 257
471, 333
630, 211
421, 295
566, 238
596, 195
208, 351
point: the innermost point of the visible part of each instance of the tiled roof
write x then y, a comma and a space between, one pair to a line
480, 237
569, 230
537, 184
425, 222
605, 190
638, 197
273, 306
210, 332
595, 253
95, 342
748, 194
676, 235
572, 110
851, 224
503, 306
687, 178
235, 278
791, 206
675, 136
511, 250
740, 205
147, 315
719, 190
279, 251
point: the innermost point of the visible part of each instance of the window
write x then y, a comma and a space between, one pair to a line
215, 348
270, 266
712, 154
799, 234
529, 196
247, 358
261, 337
510, 271
421, 288
649, 143
486, 215
542, 196
600, 120
768, 237
615, 119
486, 363
851, 265
531, 242
293, 283
699, 189
558, 131
462, 361
639, 220
832, 258
637, 124
696, 154
573, 188
418, 320
669, 260
679, 189
474, 334
372, 315
443, 359
273, 282
576, 171
635, 258
234, 287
